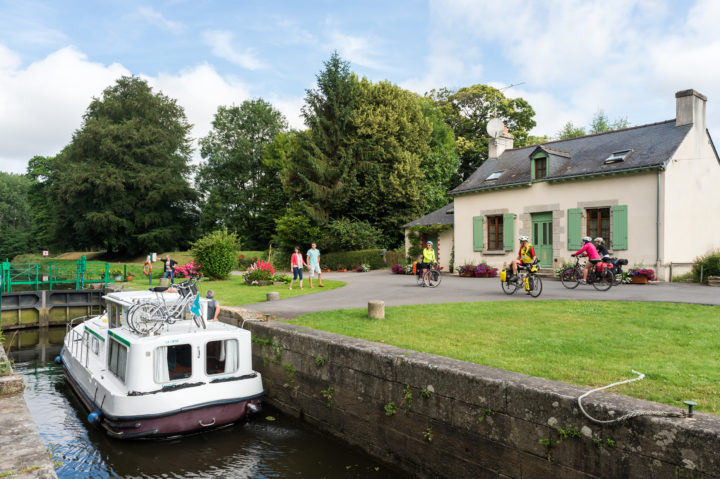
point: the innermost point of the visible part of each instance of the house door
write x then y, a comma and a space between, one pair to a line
542, 238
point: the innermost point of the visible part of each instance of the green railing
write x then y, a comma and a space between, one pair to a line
79, 273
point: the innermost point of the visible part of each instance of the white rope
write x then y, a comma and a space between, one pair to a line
629, 415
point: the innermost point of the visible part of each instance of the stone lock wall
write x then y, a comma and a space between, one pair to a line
438, 417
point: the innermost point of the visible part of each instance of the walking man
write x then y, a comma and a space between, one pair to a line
313, 263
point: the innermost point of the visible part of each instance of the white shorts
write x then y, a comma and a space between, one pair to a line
313, 269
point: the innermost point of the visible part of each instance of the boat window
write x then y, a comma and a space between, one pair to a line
172, 362
95, 345
114, 315
221, 357
117, 359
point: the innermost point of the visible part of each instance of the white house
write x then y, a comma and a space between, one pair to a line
652, 191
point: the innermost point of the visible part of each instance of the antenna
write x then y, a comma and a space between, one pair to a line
495, 125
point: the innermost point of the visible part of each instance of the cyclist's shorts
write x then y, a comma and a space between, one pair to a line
595, 261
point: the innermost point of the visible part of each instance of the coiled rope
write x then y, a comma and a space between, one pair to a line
629, 415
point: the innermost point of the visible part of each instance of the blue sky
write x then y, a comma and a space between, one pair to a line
626, 57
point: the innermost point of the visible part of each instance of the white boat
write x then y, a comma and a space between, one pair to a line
150, 366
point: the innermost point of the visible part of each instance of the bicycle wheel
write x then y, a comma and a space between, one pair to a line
604, 281
536, 286
569, 278
432, 278
146, 318
509, 287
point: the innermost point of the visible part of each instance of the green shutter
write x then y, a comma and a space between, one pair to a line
574, 231
619, 227
509, 231
477, 233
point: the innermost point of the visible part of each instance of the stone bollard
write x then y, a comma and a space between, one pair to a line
273, 296
164, 281
376, 309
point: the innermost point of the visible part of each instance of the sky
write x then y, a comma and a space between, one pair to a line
573, 58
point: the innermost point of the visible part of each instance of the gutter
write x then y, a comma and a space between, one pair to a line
604, 173
657, 224
490, 188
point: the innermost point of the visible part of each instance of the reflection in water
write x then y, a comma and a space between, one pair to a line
256, 449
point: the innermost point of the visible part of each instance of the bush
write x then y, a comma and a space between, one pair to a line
710, 264
293, 230
348, 235
371, 257
216, 252
260, 271
189, 270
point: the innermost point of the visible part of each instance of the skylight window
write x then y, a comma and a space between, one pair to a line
494, 176
617, 157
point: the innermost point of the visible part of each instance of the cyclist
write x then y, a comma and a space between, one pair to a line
526, 255
428, 259
592, 254
601, 248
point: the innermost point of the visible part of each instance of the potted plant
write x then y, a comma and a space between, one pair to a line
467, 270
485, 271
341, 268
325, 268
641, 275
116, 274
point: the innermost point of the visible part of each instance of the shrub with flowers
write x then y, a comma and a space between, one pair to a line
466, 268
398, 269
485, 271
259, 271
649, 273
244, 262
188, 270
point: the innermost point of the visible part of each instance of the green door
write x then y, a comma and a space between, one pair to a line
542, 238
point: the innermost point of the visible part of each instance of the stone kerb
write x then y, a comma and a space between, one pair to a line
457, 419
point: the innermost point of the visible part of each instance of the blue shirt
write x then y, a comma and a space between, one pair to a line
313, 256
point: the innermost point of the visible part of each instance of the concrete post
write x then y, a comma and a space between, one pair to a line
273, 296
376, 309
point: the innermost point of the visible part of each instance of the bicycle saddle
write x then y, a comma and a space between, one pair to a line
159, 289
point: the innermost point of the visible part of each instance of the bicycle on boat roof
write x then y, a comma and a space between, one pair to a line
431, 277
147, 316
527, 279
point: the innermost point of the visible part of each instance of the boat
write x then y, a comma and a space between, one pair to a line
151, 366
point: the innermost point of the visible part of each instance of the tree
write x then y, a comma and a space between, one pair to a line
570, 131
599, 124
468, 111
15, 218
241, 191
124, 178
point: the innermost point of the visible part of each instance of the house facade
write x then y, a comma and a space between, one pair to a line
443, 241
652, 192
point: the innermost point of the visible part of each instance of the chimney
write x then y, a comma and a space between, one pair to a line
690, 109
503, 142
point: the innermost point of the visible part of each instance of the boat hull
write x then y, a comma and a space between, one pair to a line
189, 420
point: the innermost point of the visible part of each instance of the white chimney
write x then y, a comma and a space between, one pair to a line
503, 142
690, 109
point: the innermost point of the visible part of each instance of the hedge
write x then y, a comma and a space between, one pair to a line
350, 259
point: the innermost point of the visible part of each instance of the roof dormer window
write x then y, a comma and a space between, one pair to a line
495, 175
617, 157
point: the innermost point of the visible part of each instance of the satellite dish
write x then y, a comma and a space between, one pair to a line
495, 127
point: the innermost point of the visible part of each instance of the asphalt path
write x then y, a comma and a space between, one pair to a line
396, 290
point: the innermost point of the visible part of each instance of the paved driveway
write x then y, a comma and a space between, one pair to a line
397, 290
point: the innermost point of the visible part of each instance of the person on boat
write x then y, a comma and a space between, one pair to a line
169, 269
213, 308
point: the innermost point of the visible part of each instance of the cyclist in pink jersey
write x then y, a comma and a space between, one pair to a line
592, 254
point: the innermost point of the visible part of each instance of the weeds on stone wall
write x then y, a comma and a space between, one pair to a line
406, 402
390, 409
328, 395
428, 434
319, 361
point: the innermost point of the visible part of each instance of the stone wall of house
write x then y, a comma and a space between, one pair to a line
438, 417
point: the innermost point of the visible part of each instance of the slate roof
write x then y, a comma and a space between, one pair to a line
443, 216
652, 146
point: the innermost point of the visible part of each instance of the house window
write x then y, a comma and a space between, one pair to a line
117, 359
617, 157
221, 357
598, 223
540, 168
494, 176
495, 232
173, 362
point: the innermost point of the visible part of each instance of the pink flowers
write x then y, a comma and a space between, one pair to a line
189, 270
647, 272
261, 265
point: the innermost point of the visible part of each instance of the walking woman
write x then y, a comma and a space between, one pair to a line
296, 264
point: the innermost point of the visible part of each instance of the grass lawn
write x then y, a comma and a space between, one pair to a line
585, 343
234, 291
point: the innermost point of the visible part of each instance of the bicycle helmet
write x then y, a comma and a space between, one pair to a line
524, 238
586, 239
429, 242
598, 240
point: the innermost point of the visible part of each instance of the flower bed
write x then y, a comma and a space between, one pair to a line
259, 271
477, 271
637, 273
188, 270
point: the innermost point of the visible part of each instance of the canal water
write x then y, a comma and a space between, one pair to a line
269, 445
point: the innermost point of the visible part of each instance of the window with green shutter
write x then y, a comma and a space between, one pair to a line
509, 231
574, 230
477, 233
619, 227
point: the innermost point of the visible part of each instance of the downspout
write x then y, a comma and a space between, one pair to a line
657, 225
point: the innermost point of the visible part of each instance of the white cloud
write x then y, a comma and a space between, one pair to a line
156, 18
358, 50
222, 47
